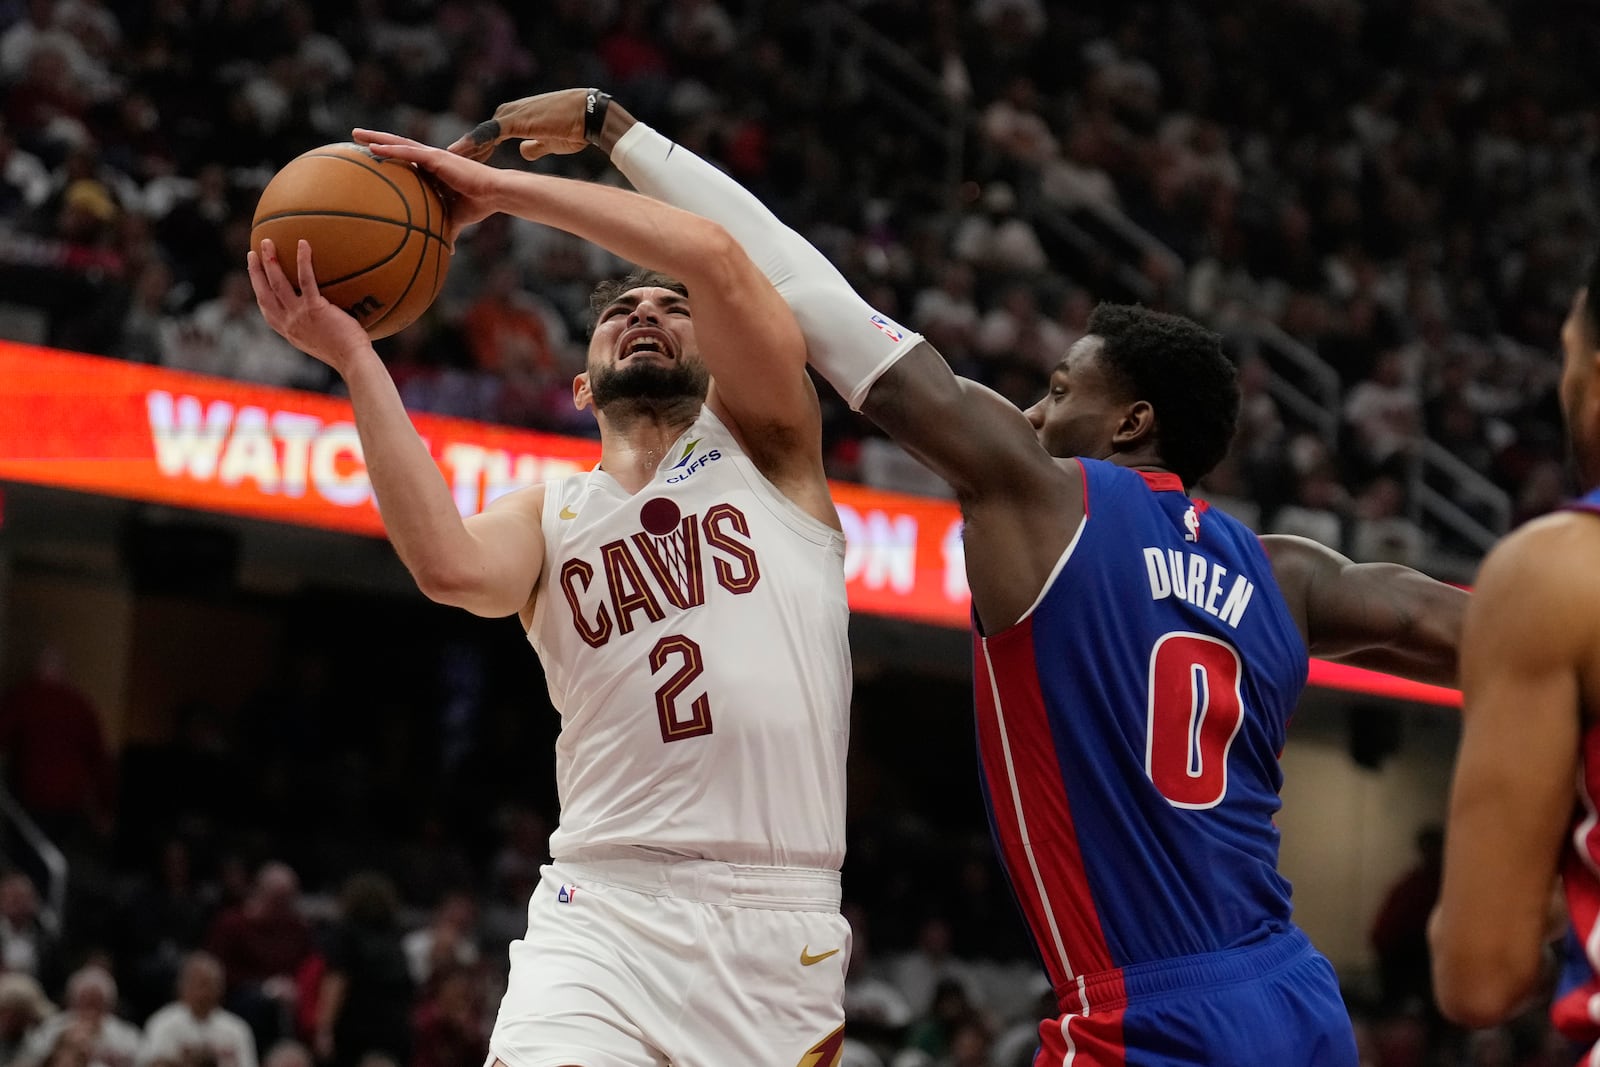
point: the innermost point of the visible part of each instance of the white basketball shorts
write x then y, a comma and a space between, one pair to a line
638, 963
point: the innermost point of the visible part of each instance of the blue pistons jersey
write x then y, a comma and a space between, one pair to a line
1129, 728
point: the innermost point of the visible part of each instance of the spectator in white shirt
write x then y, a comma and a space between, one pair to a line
450, 939
195, 1027
996, 238
948, 306
1017, 328
26, 946
228, 337
1384, 411
23, 1008
91, 999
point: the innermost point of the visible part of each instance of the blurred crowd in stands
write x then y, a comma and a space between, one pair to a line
330, 873
1400, 188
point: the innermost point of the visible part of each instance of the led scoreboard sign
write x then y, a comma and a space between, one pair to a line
147, 433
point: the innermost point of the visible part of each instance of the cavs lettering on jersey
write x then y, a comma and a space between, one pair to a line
1576, 1007
694, 637
1129, 728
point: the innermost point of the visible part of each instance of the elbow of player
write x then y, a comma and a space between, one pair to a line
457, 588
1480, 989
712, 254
445, 583
1475, 1007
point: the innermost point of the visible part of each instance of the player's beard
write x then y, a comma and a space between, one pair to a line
648, 384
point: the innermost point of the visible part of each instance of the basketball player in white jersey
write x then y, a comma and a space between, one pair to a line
687, 601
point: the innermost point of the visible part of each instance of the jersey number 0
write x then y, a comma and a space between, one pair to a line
1195, 713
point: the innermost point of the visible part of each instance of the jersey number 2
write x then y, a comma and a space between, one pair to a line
675, 726
1195, 713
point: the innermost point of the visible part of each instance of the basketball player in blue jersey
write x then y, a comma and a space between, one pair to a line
1527, 780
1137, 655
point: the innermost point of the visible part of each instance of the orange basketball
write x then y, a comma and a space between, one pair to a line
376, 227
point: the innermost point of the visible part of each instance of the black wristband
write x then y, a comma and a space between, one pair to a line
595, 105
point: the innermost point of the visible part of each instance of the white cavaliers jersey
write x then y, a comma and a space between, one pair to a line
694, 637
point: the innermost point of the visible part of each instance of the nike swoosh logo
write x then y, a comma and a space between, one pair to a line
568, 513
807, 959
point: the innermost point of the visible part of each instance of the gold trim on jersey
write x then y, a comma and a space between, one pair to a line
825, 1053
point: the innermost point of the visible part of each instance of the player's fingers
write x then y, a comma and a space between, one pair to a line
469, 148
532, 150
266, 299
308, 276
277, 281
411, 153
374, 138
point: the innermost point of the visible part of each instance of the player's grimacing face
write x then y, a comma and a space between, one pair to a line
644, 347
1080, 410
651, 322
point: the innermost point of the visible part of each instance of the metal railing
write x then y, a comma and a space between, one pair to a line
48, 864
1302, 382
1430, 460
1117, 228
898, 81
1087, 248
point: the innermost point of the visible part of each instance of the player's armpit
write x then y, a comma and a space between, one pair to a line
497, 576
966, 433
1380, 616
1021, 507
1527, 632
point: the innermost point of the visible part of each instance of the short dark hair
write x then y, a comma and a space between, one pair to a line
1179, 368
608, 291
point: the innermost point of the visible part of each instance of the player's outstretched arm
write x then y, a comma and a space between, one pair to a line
488, 564
1380, 616
832, 316
971, 437
1524, 655
747, 335
1020, 506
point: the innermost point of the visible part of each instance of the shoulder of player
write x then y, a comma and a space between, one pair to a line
527, 501
1533, 603
1298, 561
1555, 557
1041, 489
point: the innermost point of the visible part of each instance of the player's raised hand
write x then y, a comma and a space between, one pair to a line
303, 317
471, 188
546, 124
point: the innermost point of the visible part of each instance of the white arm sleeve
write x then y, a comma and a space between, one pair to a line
849, 343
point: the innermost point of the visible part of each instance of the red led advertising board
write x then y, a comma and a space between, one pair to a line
147, 433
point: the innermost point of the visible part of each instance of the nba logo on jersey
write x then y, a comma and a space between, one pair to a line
893, 329
1191, 524
565, 894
